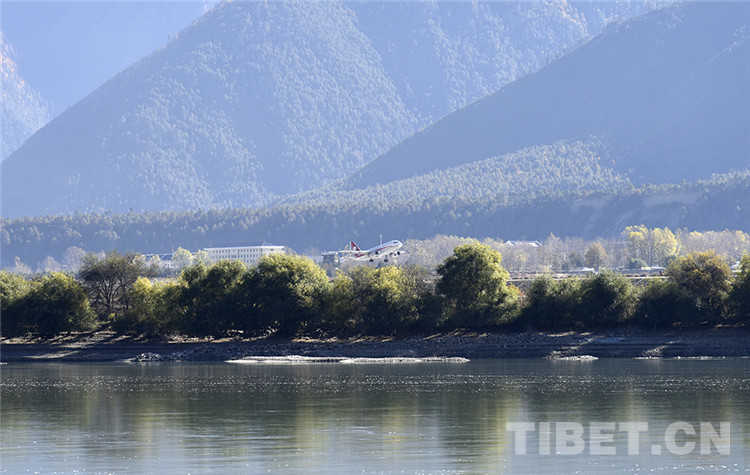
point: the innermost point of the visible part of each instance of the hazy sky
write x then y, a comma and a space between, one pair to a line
67, 49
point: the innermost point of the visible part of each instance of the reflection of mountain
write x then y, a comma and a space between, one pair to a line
259, 99
667, 94
23, 111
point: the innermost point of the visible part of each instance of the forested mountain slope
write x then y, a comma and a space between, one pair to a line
262, 99
666, 93
720, 203
252, 100
66, 49
520, 176
442, 55
22, 109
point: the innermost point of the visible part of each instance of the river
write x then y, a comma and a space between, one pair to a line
499, 416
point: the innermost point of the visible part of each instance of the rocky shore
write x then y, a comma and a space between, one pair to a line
632, 343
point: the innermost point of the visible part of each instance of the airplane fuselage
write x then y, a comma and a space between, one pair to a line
383, 251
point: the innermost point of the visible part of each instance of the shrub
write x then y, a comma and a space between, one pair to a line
553, 304
56, 304
739, 295
14, 289
154, 308
286, 292
663, 303
705, 276
475, 289
607, 299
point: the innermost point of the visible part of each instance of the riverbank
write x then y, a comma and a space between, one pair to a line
628, 343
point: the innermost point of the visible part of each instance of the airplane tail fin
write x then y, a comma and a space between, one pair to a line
353, 246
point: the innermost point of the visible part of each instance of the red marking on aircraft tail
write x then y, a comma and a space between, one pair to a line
354, 246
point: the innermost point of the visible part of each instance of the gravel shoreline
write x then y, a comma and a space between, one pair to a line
628, 343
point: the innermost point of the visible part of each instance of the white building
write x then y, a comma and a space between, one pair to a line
163, 260
248, 254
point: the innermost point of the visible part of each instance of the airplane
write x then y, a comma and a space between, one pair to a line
383, 251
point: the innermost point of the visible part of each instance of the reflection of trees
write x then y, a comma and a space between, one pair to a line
314, 417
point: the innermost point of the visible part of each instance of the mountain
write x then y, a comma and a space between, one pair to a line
22, 109
442, 55
666, 94
250, 101
68, 48
257, 100
514, 177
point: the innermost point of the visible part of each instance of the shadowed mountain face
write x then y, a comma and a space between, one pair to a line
667, 94
263, 99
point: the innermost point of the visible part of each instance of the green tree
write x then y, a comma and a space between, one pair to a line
421, 286
155, 308
286, 292
342, 305
607, 299
108, 280
475, 287
595, 256
58, 304
739, 296
387, 300
14, 289
706, 277
391, 304
663, 303
201, 257
574, 260
553, 304
211, 297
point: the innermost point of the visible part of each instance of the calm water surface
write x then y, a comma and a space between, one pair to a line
220, 417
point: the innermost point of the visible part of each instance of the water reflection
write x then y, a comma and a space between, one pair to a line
422, 417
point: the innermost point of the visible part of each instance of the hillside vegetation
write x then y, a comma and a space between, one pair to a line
720, 203
511, 178
262, 99
665, 93
22, 109
587, 146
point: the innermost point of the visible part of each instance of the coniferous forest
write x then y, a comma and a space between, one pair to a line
326, 224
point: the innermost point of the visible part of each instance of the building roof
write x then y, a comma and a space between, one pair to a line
239, 245
524, 243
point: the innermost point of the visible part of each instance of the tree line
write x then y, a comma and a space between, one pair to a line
287, 295
637, 247
43, 241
